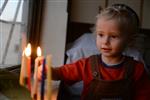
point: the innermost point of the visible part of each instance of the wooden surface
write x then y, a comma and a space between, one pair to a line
10, 88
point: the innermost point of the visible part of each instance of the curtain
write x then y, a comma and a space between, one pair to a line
36, 11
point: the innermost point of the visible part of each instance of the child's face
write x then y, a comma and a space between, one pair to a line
109, 39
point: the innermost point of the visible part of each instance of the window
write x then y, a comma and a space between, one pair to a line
13, 31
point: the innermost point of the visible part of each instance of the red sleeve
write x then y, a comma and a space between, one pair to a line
142, 83
71, 73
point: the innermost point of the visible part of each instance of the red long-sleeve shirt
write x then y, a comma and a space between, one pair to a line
81, 70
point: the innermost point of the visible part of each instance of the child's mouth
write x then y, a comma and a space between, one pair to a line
106, 49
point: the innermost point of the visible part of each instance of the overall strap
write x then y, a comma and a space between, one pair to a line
129, 67
111, 90
94, 61
147, 69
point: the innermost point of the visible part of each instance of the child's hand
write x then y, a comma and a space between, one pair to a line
40, 69
39, 75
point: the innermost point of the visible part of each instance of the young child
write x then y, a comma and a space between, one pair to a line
110, 75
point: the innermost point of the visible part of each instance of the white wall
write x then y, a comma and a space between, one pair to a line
85, 10
54, 30
134, 4
146, 14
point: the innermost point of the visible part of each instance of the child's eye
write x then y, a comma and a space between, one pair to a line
114, 36
100, 35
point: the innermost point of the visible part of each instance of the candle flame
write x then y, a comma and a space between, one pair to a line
28, 50
39, 53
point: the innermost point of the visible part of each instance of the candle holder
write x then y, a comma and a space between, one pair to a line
40, 90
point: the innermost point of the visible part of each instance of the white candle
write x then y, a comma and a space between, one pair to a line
48, 63
35, 77
23, 70
28, 54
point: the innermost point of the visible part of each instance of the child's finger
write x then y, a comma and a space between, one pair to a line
40, 72
40, 68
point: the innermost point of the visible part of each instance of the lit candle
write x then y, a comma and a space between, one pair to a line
35, 77
27, 54
49, 63
23, 70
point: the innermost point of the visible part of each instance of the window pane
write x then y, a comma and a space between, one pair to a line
11, 32
10, 9
1, 3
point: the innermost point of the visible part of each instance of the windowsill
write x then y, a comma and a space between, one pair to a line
11, 89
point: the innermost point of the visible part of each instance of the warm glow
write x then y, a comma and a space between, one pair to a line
28, 50
39, 53
23, 53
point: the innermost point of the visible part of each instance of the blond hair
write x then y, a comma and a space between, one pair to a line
126, 18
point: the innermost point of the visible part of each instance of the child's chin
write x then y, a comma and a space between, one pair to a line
106, 54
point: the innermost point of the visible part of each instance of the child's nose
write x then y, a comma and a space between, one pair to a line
106, 40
